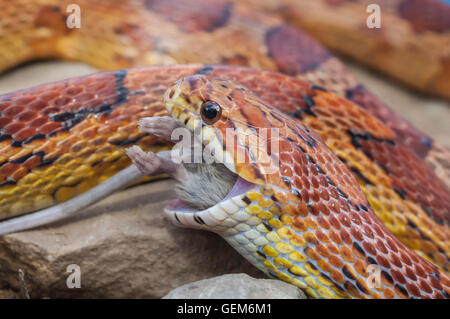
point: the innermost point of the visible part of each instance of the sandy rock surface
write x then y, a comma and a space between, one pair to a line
124, 247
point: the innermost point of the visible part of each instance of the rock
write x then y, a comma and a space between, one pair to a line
236, 286
124, 246
8, 294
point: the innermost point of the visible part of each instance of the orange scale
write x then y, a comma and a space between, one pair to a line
73, 106
299, 224
314, 172
46, 96
425, 286
302, 209
329, 124
437, 295
305, 171
405, 258
18, 174
333, 193
435, 283
71, 91
8, 168
322, 236
334, 222
324, 265
344, 220
285, 170
323, 182
380, 245
322, 250
280, 196
33, 161
297, 182
311, 223
311, 253
388, 294
323, 193
25, 116
12, 128
420, 271
285, 146
95, 87
12, 111
49, 127
415, 259
357, 124
321, 208
96, 102
371, 220
88, 133
389, 241
322, 221
304, 194
49, 110
332, 248
314, 196
4, 105
286, 158
61, 101
109, 92
83, 97
306, 182
337, 276
24, 134
41, 120
4, 121
311, 238
345, 236
410, 273
336, 261
355, 219
383, 261
395, 260
398, 276
343, 203
356, 234
25, 100
369, 248
360, 268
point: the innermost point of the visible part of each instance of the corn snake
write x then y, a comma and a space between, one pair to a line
57, 123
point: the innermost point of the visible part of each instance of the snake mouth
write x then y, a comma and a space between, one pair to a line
240, 187
180, 211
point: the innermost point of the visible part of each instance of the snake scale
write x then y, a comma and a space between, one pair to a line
350, 161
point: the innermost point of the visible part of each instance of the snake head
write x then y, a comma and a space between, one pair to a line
236, 127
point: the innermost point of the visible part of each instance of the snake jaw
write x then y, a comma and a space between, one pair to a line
177, 211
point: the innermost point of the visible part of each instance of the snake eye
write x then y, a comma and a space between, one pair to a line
211, 112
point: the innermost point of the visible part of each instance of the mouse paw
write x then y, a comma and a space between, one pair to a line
148, 163
160, 126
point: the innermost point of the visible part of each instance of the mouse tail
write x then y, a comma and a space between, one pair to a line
70, 207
